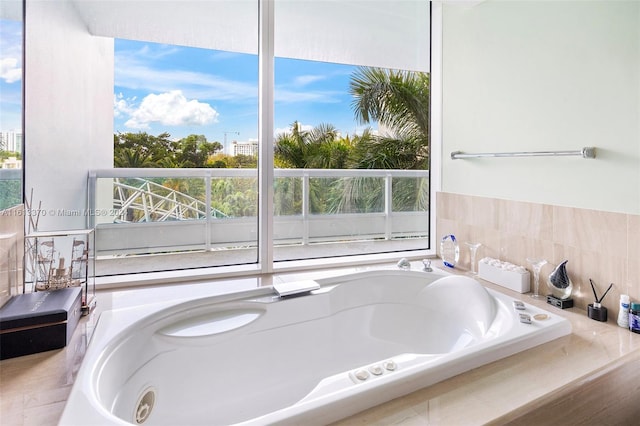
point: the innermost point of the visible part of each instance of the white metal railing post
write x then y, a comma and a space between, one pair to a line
305, 208
388, 205
207, 209
144, 205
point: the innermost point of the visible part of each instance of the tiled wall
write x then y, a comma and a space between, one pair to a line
11, 251
603, 246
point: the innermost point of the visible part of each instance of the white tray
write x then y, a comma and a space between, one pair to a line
499, 273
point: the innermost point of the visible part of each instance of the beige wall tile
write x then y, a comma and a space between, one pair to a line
603, 270
603, 246
528, 219
443, 203
633, 255
490, 239
484, 212
453, 206
446, 227
591, 230
517, 249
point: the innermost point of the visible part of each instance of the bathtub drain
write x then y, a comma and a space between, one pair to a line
145, 405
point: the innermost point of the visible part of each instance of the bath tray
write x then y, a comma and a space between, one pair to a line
504, 274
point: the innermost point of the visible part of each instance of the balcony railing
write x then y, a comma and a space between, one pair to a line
147, 211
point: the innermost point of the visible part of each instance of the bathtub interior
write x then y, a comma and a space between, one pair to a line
247, 358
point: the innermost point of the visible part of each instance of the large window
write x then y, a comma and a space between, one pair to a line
347, 129
361, 179
184, 186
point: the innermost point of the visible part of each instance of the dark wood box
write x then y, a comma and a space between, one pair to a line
38, 322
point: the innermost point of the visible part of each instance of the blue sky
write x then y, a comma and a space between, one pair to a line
10, 75
186, 91
197, 91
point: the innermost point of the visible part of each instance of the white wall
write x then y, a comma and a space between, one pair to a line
533, 76
68, 110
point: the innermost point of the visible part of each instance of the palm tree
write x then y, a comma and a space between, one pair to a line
318, 148
132, 157
399, 101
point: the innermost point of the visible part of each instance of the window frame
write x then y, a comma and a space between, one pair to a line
265, 170
265, 265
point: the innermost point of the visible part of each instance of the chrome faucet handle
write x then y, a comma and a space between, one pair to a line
404, 264
427, 265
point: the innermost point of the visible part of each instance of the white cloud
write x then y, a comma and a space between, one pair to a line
136, 70
289, 129
132, 72
170, 109
10, 70
295, 91
122, 106
10, 51
221, 55
157, 51
292, 96
303, 80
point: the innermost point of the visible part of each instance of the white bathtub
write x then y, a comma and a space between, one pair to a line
252, 358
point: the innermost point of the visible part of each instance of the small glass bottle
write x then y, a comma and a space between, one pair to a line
623, 314
634, 318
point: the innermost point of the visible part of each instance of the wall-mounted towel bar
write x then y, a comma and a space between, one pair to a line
586, 152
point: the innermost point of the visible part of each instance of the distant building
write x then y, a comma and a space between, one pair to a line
11, 141
244, 148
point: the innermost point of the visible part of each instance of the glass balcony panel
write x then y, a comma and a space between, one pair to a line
226, 233
410, 194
